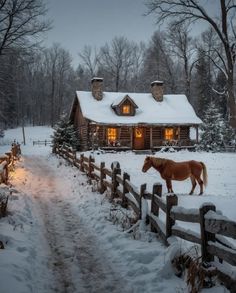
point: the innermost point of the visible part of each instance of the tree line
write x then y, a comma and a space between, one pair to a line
38, 84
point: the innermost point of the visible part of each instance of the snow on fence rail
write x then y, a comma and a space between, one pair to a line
213, 227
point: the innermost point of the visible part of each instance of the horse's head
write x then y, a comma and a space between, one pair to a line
147, 164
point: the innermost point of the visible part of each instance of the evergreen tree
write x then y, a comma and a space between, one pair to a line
64, 133
1, 133
216, 132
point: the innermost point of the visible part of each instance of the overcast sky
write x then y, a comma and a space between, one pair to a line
94, 22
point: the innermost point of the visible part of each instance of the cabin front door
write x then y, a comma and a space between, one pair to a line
139, 138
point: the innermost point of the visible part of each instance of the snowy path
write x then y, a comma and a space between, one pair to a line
60, 236
76, 263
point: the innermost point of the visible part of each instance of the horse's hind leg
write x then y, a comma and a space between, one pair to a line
200, 182
193, 180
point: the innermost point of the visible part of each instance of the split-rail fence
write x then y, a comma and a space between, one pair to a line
213, 226
6, 165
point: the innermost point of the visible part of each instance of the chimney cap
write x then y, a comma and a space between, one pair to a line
96, 79
157, 82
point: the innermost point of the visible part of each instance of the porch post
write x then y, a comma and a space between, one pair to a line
178, 138
197, 134
104, 143
131, 137
151, 143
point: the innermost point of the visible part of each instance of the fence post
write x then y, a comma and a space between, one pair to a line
206, 236
124, 201
115, 184
156, 190
102, 177
7, 173
143, 187
82, 162
74, 158
171, 200
91, 169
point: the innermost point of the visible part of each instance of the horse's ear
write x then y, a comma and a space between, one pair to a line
147, 158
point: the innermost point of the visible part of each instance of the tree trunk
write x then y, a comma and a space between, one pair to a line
231, 101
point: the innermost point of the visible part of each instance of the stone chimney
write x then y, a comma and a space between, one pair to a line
96, 88
157, 90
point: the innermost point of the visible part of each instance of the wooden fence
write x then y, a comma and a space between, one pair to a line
213, 227
6, 164
42, 142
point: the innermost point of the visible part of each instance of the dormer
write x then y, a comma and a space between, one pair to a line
124, 106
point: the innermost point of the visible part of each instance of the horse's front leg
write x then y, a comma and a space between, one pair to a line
169, 186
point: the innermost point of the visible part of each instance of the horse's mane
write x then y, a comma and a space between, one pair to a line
159, 161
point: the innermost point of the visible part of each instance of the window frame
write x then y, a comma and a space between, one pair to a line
128, 109
171, 136
112, 137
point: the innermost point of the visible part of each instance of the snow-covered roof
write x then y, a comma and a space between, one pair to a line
174, 109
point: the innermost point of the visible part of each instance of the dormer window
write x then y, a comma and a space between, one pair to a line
124, 106
126, 109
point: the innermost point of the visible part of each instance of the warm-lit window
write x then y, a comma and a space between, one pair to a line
169, 133
138, 133
111, 135
126, 109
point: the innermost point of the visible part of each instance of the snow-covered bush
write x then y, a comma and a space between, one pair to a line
64, 133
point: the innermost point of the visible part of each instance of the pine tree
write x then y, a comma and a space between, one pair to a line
64, 133
216, 132
229, 135
2, 133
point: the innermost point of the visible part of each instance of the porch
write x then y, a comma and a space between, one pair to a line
143, 137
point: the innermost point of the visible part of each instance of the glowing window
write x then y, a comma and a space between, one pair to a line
169, 133
138, 133
126, 109
111, 134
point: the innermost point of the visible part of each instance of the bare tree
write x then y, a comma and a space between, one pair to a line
136, 82
90, 60
58, 62
158, 63
116, 60
181, 44
20, 21
192, 11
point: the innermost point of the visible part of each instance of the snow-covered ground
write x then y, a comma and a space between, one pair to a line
59, 235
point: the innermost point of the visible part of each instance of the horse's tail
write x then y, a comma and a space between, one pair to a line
204, 170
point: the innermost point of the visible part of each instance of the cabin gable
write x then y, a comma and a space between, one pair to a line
125, 107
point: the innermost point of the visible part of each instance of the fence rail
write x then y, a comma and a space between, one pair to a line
42, 142
212, 225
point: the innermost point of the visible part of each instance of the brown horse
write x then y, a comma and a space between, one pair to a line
171, 170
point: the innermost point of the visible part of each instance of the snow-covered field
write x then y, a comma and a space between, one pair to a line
59, 235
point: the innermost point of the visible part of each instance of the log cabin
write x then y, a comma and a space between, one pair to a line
135, 121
